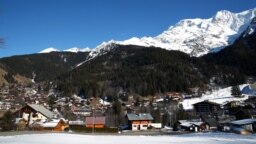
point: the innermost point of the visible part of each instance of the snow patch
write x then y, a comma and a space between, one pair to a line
49, 50
76, 50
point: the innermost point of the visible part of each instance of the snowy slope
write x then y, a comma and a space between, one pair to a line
196, 36
48, 50
220, 96
74, 50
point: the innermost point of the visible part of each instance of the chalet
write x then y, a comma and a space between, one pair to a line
82, 112
206, 107
190, 125
95, 122
139, 121
53, 125
174, 96
33, 112
244, 126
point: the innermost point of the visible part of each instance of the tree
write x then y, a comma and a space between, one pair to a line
235, 91
117, 107
7, 122
51, 100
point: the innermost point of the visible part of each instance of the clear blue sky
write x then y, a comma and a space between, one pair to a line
29, 26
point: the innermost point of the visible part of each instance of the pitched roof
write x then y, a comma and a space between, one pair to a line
47, 113
188, 123
95, 120
243, 122
206, 101
143, 116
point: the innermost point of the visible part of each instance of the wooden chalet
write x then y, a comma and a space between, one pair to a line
34, 113
190, 125
52, 125
206, 107
139, 121
95, 122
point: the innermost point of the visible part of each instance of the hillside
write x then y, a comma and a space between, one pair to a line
144, 71
41, 67
115, 69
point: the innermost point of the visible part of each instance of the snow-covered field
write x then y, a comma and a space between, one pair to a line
220, 96
65, 138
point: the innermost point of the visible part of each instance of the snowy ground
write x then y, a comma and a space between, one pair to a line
65, 138
220, 96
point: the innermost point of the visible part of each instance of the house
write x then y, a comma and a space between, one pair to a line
53, 125
5, 105
174, 96
95, 122
211, 123
190, 125
139, 121
33, 112
206, 107
244, 126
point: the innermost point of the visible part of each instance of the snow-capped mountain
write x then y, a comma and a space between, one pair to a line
48, 50
194, 36
74, 50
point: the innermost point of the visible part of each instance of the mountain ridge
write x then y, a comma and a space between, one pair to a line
195, 37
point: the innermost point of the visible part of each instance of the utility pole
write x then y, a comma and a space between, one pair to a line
93, 120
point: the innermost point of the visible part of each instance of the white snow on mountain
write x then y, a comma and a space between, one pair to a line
220, 96
99, 50
76, 50
48, 50
195, 36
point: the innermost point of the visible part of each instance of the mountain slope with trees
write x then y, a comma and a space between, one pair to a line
144, 71
41, 67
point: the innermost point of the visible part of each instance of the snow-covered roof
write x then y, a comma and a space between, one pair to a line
188, 123
243, 122
47, 113
143, 116
104, 102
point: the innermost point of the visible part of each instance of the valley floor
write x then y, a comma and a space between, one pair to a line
68, 138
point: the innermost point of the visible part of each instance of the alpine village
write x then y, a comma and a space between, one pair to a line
130, 89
